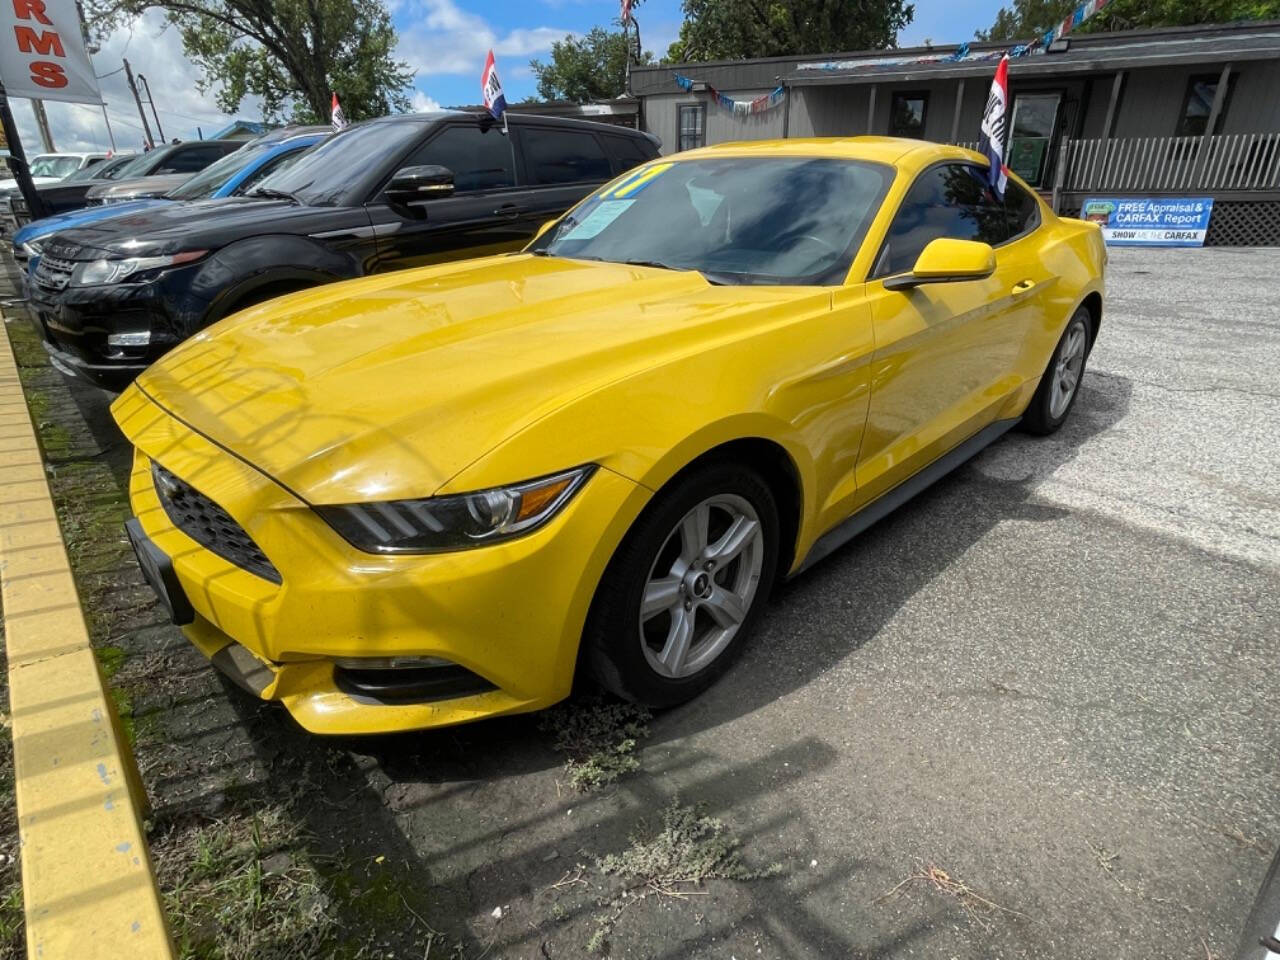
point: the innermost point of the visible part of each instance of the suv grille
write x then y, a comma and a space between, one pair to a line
54, 273
209, 525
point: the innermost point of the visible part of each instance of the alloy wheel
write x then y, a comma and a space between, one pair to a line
701, 585
1067, 371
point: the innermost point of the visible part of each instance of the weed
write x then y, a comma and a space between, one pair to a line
686, 850
599, 738
976, 906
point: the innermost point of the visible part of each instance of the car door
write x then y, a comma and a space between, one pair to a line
482, 216
561, 166
946, 353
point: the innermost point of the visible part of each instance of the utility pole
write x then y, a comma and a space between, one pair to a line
152, 100
146, 127
18, 160
107, 121
42, 122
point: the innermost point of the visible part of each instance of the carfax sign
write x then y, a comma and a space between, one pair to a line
1151, 221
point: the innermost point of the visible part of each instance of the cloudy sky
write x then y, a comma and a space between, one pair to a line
443, 41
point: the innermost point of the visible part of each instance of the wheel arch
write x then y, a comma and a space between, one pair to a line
1093, 303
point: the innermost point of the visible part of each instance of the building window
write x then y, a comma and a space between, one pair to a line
693, 126
906, 119
1197, 104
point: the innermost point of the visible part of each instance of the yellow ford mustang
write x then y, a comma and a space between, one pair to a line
423, 498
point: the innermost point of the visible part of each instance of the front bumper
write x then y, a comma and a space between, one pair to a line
76, 322
510, 613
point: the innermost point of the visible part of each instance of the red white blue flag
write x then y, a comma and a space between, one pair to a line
491, 88
993, 127
626, 6
336, 116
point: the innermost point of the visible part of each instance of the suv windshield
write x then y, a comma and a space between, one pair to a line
326, 173
51, 166
204, 183
143, 164
767, 220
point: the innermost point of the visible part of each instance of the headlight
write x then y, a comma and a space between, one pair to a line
437, 524
96, 272
31, 248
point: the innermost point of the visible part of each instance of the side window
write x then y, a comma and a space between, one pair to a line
480, 157
906, 115
189, 161
949, 200
563, 156
627, 152
1024, 212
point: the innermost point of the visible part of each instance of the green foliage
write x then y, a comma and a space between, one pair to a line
599, 738
587, 68
1026, 18
727, 30
291, 53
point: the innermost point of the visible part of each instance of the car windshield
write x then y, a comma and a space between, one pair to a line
204, 183
766, 220
144, 163
324, 174
86, 173
52, 166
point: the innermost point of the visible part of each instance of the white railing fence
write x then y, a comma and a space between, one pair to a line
1238, 161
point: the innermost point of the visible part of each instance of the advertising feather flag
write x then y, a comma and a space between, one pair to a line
993, 125
336, 116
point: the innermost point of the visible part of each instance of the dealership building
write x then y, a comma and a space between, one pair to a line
1172, 112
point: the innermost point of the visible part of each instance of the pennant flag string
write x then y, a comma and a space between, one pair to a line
766, 101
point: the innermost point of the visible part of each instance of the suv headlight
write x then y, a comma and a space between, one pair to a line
438, 524
97, 272
31, 248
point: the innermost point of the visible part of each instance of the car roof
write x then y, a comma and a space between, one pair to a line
896, 151
514, 119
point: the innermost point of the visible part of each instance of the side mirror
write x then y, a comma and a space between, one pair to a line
946, 260
544, 228
415, 184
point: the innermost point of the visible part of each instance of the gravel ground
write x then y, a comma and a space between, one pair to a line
1046, 677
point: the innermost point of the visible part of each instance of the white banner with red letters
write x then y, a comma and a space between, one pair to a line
42, 52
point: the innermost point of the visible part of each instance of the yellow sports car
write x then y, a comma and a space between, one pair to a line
423, 498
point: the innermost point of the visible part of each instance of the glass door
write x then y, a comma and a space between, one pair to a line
1035, 116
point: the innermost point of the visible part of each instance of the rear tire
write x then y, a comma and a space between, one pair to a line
685, 588
1060, 383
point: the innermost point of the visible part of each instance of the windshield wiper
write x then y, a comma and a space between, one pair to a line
715, 279
271, 194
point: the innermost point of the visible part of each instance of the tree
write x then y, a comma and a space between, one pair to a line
593, 67
731, 30
291, 53
1027, 19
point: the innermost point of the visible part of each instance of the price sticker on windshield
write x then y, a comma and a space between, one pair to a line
604, 213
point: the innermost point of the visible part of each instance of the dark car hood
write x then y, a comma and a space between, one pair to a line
201, 225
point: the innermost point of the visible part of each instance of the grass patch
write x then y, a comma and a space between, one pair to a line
237, 888
687, 849
599, 739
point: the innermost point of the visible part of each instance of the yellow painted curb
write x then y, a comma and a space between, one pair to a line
87, 881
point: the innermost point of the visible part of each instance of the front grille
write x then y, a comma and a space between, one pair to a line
54, 273
209, 525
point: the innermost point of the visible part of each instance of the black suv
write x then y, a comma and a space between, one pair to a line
397, 192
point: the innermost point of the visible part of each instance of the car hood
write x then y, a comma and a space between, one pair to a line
197, 225
82, 217
153, 185
386, 387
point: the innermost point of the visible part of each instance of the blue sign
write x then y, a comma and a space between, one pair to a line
1150, 221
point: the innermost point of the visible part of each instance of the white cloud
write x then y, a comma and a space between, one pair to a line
442, 38
155, 52
421, 103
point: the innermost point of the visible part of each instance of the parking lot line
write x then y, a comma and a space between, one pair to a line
87, 880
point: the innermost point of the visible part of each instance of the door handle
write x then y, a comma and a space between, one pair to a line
1022, 286
508, 210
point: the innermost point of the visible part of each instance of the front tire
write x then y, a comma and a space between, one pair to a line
686, 587
1060, 384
